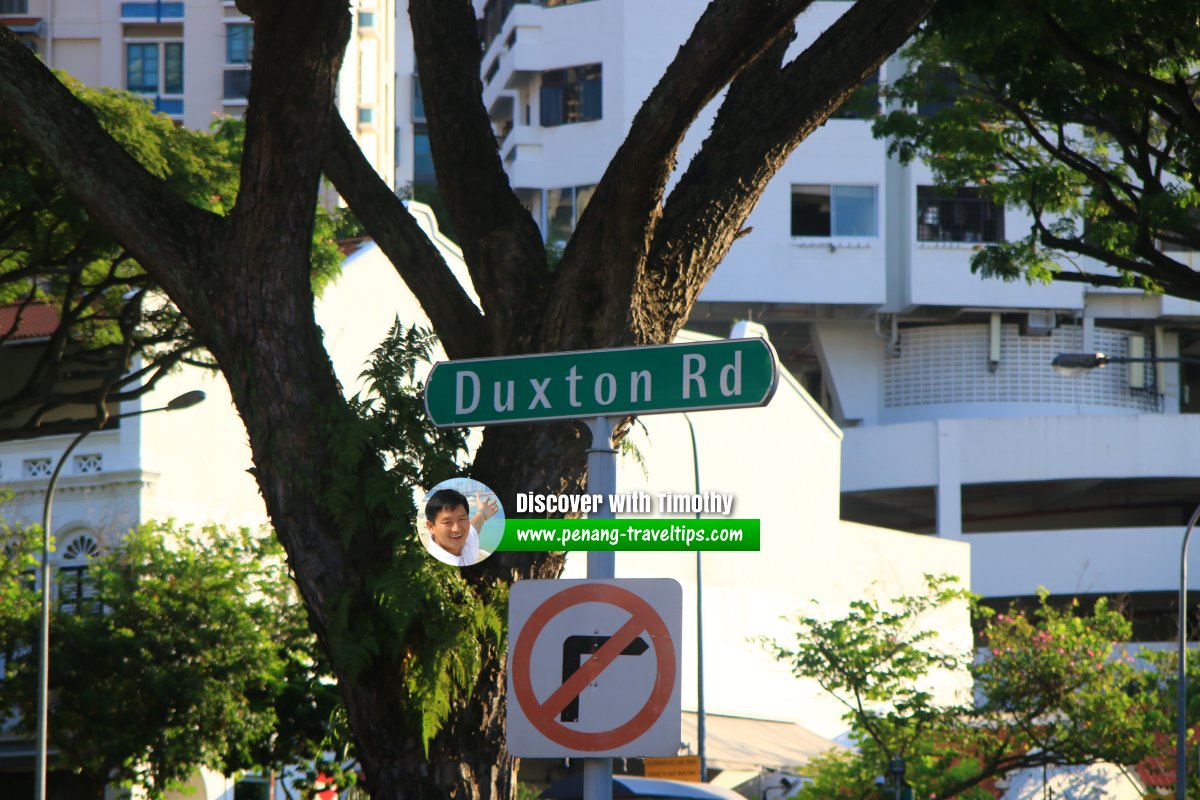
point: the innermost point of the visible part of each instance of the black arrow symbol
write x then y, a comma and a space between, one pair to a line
574, 649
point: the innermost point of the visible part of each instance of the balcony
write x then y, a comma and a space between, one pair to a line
1072, 562
152, 12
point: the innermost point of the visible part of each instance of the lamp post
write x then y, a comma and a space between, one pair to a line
185, 400
700, 711
1075, 364
1181, 689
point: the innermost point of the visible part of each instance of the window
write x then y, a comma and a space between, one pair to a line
822, 211
237, 84
1181, 237
154, 67
14, 6
959, 216
557, 211
863, 102
366, 115
239, 41
239, 46
366, 19
152, 12
571, 95
492, 19
423, 171
418, 110
74, 588
941, 91
252, 787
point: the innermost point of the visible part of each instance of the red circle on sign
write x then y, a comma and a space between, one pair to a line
643, 618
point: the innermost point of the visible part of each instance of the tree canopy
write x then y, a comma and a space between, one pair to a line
189, 649
54, 255
1084, 114
630, 274
1050, 689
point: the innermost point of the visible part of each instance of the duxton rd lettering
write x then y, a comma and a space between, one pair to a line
573, 389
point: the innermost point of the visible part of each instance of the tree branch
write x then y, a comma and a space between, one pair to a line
1176, 278
459, 322
500, 241
757, 127
151, 221
617, 228
1170, 92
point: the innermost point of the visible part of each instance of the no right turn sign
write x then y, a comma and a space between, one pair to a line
593, 668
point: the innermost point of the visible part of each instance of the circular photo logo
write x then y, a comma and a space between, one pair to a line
461, 522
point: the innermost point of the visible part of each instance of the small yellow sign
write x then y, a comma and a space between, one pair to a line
676, 768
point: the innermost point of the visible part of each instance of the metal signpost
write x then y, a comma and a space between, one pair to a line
599, 387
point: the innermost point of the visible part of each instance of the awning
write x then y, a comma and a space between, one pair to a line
571, 788
34, 25
745, 743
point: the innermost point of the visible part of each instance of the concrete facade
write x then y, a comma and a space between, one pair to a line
191, 60
955, 424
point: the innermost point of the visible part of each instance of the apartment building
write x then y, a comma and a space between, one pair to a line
191, 59
955, 424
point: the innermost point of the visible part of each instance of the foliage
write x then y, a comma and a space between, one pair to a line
193, 652
1081, 113
53, 252
1158, 683
20, 546
425, 614
1048, 691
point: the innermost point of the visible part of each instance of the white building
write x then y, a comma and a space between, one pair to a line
191, 58
780, 463
955, 424
168, 464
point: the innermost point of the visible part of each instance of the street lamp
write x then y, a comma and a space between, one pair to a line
1181, 689
1076, 363
185, 400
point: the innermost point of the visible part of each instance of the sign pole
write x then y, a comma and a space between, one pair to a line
602, 480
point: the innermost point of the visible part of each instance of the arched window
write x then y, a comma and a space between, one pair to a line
74, 588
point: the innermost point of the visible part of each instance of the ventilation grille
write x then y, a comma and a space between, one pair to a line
89, 464
949, 364
36, 468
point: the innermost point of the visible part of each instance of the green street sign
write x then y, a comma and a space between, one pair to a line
657, 379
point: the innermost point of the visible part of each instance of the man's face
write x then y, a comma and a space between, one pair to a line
450, 529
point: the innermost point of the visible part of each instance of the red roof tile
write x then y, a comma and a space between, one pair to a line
1157, 771
349, 245
36, 321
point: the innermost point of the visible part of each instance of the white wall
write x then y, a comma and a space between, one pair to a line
950, 453
781, 463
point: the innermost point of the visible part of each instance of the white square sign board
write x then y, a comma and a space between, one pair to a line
594, 667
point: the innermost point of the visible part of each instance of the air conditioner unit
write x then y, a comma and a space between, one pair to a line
1039, 323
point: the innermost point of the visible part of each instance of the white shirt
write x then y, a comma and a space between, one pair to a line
469, 555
